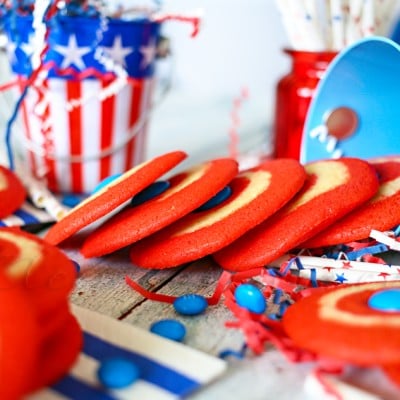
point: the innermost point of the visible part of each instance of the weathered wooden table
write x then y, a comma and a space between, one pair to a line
101, 287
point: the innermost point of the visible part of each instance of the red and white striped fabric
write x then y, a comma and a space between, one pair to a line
106, 137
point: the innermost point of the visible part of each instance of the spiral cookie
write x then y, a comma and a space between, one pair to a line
58, 353
112, 195
44, 272
256, 194
358, 324
39, 337
19, 338
187, 191
333, 188
12, 192
382, 212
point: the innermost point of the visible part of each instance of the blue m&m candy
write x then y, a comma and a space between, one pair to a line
149, 192
387, 300
105, 182
117, 373
169, 329
250, 297
190, 304
221, 196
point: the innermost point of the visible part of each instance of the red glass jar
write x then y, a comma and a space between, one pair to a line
293, 96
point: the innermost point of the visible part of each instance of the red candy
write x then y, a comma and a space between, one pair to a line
12, 192
334, 188
188, 190
256, 194
112, 195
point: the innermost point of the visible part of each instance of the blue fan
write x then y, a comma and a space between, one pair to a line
356, 107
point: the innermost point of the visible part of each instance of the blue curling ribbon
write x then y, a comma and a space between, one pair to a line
10, 123
378, 248
229, 352
277, 296
313, 277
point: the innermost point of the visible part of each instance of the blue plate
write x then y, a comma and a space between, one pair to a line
364, 81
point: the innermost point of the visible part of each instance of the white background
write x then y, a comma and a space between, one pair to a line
239, 46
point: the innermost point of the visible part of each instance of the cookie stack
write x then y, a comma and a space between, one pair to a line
40, 338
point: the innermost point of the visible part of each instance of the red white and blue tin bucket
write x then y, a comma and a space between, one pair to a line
87, 118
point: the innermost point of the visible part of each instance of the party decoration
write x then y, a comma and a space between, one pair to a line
352, 111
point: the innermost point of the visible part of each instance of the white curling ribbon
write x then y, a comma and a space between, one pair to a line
381, 237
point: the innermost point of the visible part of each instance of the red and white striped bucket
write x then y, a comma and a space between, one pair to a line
79, 129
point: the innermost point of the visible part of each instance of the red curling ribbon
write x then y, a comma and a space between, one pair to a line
147, 294
211, 301
9, 85
194, 20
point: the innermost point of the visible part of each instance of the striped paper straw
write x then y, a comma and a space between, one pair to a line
341, 271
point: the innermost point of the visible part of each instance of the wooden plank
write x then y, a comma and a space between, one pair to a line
101, 284
205, 332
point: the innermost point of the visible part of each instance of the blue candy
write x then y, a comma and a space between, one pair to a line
170, 329
105, 182
190, 304
151, 191
250, 297
221, 196
77, 266
117, 373
387, 300
71, 200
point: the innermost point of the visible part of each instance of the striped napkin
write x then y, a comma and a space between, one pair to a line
27, 215
169, 370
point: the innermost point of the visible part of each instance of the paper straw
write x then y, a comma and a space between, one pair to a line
330, 263
353, 31
385, 16
340, 271
289, 23
338, 24
40, 196
368, 18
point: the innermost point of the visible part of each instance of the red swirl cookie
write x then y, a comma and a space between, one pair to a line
19, 340
333, 189
12, 192
256, 194
41, 269
112, 195
382, 212
340, 323
58, 354
188, 190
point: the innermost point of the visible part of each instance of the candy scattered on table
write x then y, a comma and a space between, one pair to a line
170, 329
190, 304
250, 297
117, 373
